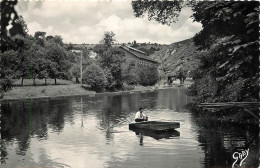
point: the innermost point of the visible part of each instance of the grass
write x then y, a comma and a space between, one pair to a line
63, 89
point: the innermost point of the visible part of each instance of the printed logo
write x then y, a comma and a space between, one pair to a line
240, 156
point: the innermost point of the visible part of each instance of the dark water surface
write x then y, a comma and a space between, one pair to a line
92, 132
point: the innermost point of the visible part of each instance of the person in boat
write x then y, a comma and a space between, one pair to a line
140, 116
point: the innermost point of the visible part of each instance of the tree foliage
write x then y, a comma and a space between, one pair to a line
94, 76
9, 17
229, 66
25, 56
59, 64
148, 75
8, 65
40, 37
111, 60
108, 38
131, 75
75, 71
11, 25
165, 12
148, 51
230, 36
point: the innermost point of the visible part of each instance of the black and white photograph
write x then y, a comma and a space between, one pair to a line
129, 84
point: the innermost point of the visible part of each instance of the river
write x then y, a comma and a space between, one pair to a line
92, 132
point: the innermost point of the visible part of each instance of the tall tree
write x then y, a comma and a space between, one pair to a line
25, 51
59, 66
111, 60
108, 38
165, 12
39, 63
94, 76
9, 18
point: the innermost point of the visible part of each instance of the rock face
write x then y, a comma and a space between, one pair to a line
180, 54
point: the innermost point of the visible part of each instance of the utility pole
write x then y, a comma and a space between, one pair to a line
81, 66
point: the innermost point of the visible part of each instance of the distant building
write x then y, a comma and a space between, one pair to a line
137, 56
92, 54
76, 51
132, 55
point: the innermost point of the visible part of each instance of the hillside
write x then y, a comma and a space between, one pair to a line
177, 55
149, 49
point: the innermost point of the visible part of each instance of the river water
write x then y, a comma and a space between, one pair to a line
92, 132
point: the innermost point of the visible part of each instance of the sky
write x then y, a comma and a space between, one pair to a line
86, 21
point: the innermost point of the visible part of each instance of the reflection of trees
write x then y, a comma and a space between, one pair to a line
219, 141
22, 120
175, 101
57, 120
115, 109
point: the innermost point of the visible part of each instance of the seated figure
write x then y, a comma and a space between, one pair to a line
140, 116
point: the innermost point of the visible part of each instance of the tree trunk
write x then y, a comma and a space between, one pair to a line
45, 81
77, 80
55, 81
22, 82
34, 84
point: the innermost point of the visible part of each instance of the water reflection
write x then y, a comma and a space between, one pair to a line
221, 140
93, 132
156, 134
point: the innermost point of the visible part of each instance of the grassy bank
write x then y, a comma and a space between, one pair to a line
64, 88
46, 91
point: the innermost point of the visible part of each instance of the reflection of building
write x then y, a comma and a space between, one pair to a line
137, 56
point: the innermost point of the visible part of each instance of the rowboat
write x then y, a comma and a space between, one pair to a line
154, 125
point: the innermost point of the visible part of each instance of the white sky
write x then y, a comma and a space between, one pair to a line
86, 21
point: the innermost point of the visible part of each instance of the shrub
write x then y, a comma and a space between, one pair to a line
148, 76
94, 76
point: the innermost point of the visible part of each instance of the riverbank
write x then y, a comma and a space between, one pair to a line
26, 92
53, 91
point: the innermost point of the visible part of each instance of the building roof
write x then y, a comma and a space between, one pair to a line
139, 54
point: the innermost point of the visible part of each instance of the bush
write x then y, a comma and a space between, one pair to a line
94, 76
148, 76
5, 85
